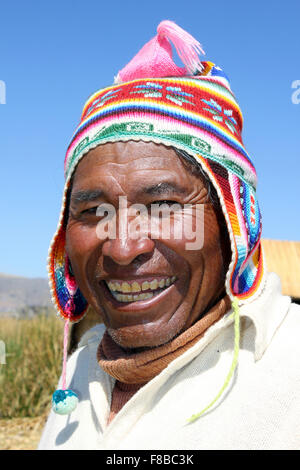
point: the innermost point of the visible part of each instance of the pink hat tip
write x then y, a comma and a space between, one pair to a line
155, 59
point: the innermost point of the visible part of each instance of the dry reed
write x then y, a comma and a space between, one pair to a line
33, 364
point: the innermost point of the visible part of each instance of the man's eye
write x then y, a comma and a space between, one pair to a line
169, 203
90, 211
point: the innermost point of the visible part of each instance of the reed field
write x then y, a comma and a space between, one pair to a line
33, 364
33, 348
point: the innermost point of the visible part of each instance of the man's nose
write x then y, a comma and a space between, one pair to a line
123, 250
129, 240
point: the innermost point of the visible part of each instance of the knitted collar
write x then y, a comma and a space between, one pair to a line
139, 368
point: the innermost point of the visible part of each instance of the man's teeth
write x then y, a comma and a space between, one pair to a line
129, 291
138, 286
132, 298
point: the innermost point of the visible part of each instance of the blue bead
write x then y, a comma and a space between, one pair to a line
64, 401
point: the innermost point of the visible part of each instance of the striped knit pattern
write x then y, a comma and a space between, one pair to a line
199, 115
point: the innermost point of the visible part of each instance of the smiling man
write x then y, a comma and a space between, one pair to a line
159, 234
173, 283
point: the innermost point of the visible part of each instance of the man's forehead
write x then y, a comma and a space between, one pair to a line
138, 166
138, 155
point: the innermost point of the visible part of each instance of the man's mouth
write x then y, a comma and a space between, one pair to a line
134, 290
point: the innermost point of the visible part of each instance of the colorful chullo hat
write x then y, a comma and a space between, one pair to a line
193, 109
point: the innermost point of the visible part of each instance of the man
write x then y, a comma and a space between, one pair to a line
160, 373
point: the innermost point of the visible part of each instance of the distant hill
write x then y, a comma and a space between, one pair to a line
22, 296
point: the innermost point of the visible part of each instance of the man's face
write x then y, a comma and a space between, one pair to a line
170, 285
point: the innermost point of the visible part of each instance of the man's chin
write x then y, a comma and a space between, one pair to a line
140, 338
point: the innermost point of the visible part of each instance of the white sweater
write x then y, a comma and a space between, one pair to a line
260, 408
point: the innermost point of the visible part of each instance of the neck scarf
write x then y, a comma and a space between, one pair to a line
139, 368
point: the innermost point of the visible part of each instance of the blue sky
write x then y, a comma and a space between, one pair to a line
53, 55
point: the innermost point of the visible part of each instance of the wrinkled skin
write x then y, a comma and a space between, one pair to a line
127, 169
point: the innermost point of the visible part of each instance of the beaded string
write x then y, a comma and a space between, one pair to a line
236, 316
64, 371
64, 401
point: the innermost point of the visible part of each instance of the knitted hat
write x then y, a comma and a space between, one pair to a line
191, 108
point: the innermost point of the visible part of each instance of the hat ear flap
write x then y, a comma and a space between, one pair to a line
70, 305
246, 274
66, 295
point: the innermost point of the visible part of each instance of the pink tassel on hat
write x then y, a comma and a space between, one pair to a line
155, 59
